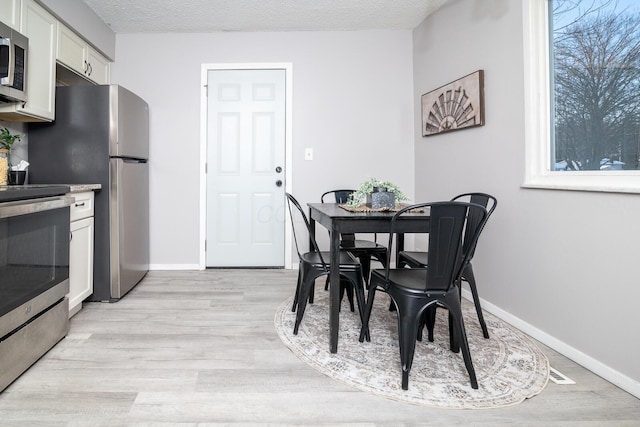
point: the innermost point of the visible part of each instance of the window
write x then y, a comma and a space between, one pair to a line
582, 76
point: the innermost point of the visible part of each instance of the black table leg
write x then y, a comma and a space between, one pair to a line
334, 291
312, 236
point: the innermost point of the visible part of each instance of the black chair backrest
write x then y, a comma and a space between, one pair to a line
474, 224
297, 215
341, 196
446, 256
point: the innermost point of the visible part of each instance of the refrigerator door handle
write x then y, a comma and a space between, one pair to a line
130, 159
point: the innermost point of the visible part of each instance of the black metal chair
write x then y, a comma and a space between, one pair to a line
314, 264
419, 259
364, 250
414, 290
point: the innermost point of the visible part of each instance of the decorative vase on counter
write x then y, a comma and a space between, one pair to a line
380, 198
17, 177
4, 166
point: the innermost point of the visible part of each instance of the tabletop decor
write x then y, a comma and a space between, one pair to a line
376, 195
7, 139
368, 208
457, 105
510, 367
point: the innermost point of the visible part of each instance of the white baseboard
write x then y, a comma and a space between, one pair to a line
620, 380
174, 267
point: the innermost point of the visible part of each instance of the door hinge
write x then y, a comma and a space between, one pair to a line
205, 245
206, 168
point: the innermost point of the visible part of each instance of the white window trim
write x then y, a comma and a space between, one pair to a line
537, 118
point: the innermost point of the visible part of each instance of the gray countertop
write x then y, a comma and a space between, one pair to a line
78, 188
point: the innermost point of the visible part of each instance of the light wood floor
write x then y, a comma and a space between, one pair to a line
200, 347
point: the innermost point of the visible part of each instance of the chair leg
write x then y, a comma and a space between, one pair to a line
421, 325
305, 290
454, 339
365, 262
312, 293
455, 313
471, 280
358, 285
347, 286
430, 320
408, 319
295, 297
423, 322
364, 331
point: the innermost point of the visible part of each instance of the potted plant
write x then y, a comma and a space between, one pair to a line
368, 189
7, 139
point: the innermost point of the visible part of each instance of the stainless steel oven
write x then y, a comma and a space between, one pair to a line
34, 279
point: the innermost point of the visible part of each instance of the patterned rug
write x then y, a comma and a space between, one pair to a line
509, 366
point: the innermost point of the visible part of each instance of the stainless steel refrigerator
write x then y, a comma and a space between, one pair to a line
101, 135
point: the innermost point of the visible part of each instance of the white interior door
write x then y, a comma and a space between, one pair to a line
245, 168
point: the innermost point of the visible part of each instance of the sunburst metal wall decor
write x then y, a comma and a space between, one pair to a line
457, 105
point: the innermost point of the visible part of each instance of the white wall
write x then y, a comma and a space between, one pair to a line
561, 262
352, 103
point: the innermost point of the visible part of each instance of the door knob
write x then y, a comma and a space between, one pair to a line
278, 183
278, 169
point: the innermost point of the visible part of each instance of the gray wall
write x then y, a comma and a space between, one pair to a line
560, 263
352, 104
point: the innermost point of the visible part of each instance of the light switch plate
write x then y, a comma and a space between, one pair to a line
308, 153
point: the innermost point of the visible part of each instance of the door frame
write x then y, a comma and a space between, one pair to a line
205, 68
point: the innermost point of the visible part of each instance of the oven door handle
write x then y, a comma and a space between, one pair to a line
25, 207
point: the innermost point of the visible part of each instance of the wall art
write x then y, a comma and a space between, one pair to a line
457, 105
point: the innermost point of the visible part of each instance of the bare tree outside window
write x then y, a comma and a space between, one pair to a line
596, 83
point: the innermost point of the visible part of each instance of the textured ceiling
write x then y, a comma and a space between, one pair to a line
170, 16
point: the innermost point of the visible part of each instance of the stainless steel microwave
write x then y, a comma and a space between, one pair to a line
13, 65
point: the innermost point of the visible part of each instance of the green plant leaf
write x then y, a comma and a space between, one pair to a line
359, 197
7, 139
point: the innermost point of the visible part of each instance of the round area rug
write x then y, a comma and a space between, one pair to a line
509, 366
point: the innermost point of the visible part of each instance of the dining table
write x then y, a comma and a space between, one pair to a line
337, 219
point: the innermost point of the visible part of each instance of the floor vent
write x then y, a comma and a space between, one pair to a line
559, 378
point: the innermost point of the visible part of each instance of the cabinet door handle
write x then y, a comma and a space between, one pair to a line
79, 204
70, 235
86, 67
90, 69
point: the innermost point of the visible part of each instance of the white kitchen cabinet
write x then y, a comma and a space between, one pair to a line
41, 29
72, 50
76, 54
10, 13
98, 67
81, 250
